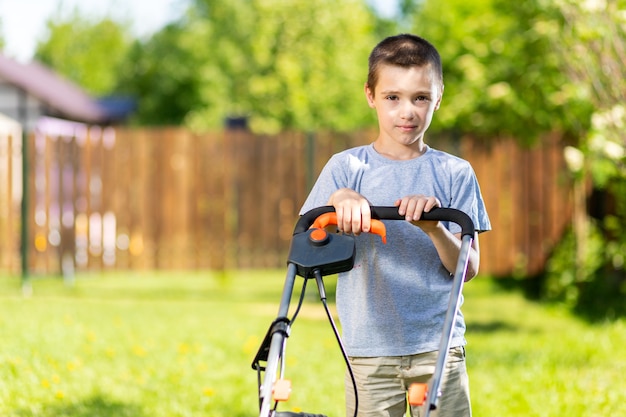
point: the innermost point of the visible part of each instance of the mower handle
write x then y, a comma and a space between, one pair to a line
391, 213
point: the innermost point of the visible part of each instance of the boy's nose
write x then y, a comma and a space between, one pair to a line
407, 111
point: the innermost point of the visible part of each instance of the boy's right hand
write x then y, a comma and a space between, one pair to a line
353, 211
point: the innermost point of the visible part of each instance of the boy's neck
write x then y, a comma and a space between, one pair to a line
401, 152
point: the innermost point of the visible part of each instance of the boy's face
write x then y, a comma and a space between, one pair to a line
405, 100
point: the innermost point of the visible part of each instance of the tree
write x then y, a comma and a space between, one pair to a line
590, 39
85, 51
502, 76
164, 74
295, 65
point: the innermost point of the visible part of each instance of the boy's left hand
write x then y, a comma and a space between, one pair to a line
412, 207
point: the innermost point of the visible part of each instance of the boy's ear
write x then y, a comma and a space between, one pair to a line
369, 94
438, 103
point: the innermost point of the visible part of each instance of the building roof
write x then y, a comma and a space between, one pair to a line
58, 93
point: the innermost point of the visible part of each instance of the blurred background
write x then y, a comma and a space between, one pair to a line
151, 126
154, 137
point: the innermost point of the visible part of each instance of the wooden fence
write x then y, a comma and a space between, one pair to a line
10, 193
529, 201
170, 199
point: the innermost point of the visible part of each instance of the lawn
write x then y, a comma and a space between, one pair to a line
181, 344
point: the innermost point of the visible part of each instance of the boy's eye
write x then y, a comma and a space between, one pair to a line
393, 97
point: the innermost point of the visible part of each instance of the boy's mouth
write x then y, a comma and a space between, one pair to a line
407, 127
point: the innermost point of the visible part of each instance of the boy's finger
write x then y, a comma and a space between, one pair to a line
402, 206
420, 207
413, 210
341, 219
366, 217
356, 224
431, 204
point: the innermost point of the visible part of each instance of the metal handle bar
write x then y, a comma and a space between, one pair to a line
391, 213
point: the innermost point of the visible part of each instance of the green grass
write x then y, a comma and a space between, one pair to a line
181, 344
528, 359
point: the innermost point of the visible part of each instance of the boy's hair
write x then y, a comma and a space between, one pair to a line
404, 50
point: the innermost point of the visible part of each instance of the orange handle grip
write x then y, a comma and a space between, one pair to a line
377, 227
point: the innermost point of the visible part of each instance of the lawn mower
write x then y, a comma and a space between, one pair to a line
315, 253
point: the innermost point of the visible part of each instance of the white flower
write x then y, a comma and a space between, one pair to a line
613, 150
574, 158
592, 6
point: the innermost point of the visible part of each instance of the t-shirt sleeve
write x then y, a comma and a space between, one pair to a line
466, 196
330, 180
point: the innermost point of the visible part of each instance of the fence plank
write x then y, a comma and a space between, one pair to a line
10, 193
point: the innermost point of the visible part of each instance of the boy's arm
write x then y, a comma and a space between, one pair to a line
448, 245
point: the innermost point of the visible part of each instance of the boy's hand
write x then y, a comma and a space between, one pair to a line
353, 211
412, 207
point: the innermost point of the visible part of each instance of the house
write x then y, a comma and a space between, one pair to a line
29, 91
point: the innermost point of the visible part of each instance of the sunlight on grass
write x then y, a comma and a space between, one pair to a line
533, 360
181, 344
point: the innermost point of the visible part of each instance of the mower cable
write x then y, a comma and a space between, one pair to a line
320, 286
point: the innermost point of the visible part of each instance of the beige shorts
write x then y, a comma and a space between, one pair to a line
383, 383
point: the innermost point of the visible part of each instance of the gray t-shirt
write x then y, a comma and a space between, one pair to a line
393, 302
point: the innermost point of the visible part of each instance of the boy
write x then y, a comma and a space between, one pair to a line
392, 303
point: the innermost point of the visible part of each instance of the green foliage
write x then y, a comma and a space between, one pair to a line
592, 51
502, 76
302, 65
87, 52
164, 73
570, 266
297, 65
181, 345
590, 283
